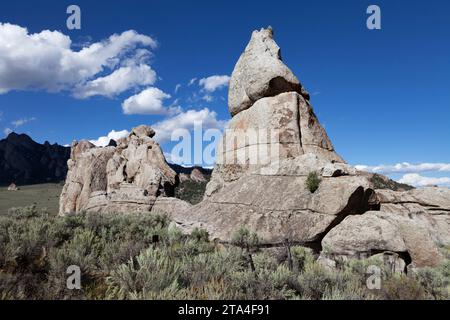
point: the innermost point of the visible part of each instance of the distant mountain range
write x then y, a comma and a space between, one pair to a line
195, 173
24, 161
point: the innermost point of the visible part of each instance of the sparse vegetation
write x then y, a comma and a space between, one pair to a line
120, 258
244, 238
380, 182
44, 196
313, 181
191, 191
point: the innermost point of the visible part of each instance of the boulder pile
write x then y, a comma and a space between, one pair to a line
125, 177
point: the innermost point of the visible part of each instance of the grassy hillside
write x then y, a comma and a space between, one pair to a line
41, 195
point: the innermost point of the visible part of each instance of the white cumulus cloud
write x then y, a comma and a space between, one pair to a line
213, 83
46, 61
149, 101
114, 135
186, 120
417, 180
117, 82
405, 167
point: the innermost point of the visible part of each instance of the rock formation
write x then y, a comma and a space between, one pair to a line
126, 178
270, 195
260, 73
346, 215
25, 161
414, 223
277, 173
13, 187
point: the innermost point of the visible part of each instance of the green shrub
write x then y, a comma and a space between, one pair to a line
313, 181
445, 250
119, 259
151, 272
25, 244
301, 257
445, 269
402, 287
349, 289
24, 212
244, 238
200, 235
315, 281
207, 267
435, 281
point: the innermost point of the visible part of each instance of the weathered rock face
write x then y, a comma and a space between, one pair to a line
170, 206
280, 206
271, 196
278, 124
433, 200
412, 223
126, 178
260, 73
274, 128
412, 235
87, 174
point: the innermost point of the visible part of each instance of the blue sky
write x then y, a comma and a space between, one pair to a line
382, 95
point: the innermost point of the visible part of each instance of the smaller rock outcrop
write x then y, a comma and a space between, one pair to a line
413, 224
13, 187
125, 178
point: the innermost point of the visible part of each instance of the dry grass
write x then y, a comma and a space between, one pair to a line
42, 195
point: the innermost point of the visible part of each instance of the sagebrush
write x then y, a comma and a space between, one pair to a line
120, 258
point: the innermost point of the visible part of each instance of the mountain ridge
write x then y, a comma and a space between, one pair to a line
25, 161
